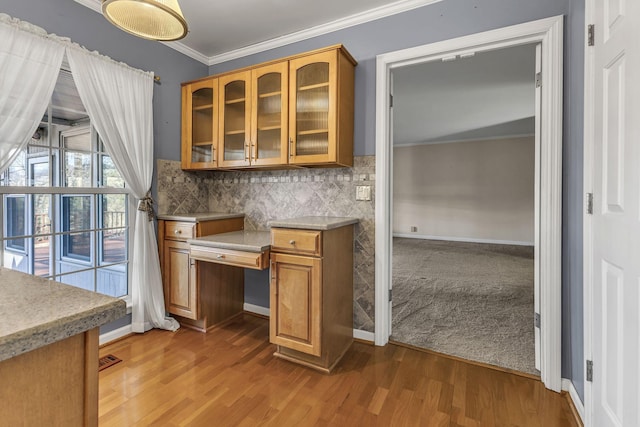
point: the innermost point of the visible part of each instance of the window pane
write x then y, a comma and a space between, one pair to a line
78, 141
15, 222
39, 174
41, 214
17, 260
77, 169
16, 173
77, 246
42, 255
76, 213
110, 175
114, 246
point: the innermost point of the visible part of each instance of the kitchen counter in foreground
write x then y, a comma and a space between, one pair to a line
49, 350
36, 312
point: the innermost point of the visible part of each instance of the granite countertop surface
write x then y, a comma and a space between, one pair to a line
314, 222
250, 241
198, 217
35, 312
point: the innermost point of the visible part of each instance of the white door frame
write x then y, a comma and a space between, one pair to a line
549, 33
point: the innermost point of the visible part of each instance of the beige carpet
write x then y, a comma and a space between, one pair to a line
470, 300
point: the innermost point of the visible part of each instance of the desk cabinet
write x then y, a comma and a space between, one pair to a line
311, 295
201, 295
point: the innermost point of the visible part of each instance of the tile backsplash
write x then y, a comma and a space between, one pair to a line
267, 195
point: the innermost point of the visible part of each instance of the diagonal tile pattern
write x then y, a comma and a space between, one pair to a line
267, 195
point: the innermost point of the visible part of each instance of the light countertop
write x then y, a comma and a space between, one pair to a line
35, 312
198, 217
314, 222
249, 241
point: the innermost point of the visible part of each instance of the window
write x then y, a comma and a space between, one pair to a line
15, 223
65, 209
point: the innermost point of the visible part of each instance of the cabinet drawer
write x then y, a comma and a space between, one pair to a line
176, 230
254, 260
296, 241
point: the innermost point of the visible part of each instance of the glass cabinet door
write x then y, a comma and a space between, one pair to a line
235, 119
312, 122
198, 126
269, 115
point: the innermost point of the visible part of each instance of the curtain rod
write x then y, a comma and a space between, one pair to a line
66, 69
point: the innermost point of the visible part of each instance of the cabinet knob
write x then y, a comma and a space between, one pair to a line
292, 242
178, 231
220, 256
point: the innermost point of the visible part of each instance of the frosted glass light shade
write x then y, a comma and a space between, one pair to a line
149, 19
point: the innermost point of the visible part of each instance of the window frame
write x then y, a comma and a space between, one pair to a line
54, 152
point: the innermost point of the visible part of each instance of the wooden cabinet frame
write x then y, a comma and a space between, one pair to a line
187, 124
340, 120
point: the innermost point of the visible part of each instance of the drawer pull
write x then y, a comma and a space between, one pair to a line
292, 242
220, 256
178, 231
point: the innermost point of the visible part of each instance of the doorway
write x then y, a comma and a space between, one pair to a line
464, 138
548, 174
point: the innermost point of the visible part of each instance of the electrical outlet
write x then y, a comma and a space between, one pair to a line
414, 229
363, 192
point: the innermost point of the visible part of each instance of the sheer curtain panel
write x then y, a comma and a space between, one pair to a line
30, 61
119, 102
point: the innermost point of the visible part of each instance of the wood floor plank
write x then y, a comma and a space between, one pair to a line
229, 377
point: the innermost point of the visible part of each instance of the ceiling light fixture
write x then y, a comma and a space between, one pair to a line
150, 19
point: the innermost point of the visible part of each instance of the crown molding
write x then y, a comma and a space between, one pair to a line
186, 50
318, 30
96, 6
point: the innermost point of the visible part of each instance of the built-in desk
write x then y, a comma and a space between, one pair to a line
246, 249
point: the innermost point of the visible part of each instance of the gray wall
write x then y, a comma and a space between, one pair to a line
572, 206
453, 18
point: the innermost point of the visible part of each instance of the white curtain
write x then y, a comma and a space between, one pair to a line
29, 65
119, 102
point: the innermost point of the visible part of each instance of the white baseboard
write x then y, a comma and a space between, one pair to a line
567, 386
364, 335
263, 311
107, 337
462, 239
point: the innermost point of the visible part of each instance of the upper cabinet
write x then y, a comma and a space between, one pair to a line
199, 122
321, 109
269, 114
234, 119
293, 112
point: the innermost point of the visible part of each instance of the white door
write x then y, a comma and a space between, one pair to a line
615, 255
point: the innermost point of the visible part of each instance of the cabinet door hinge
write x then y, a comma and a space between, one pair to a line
390, 295
538, 79
589, 370
591, 36
590, 203
536, 320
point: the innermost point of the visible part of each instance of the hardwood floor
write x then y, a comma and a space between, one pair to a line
229, 377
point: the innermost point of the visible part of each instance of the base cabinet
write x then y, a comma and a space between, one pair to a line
311, 295
201, 295
54, 385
